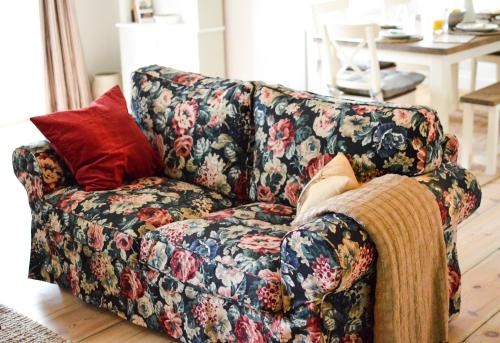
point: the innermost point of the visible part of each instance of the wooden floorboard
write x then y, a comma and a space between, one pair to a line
488, 333
480, 297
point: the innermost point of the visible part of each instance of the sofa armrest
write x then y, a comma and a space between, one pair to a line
40, 170
457, 192
323, 256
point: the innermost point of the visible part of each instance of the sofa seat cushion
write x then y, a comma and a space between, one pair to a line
394, 83
297, 133
140, 206
201, 126
233, 253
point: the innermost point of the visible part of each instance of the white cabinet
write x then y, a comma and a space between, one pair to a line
196, 44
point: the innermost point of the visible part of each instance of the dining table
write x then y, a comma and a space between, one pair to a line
440, 56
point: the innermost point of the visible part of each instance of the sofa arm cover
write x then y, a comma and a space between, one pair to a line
40, 170
326, 255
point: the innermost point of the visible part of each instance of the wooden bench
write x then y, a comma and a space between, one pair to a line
486, 99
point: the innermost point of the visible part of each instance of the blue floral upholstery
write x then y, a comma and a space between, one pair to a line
233, 253
297, 133
194, 260
140, 206
201, 126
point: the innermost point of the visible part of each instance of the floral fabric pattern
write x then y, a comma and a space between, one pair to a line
297, 133
201, 126
40, 170
232, 253
140, 206
187, 256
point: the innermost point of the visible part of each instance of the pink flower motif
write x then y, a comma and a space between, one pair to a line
362, 109
261, 244
292, 192
183, 146
123, 241
175, 232
95, 236
430, 119
270, 296
278, 209
361, 263
315, 164
184, 264
453, 281
187, 79
328, 277
171, 321
70, 202
146, 245
313, 325
220, 215
185, 117
74, 280
206, 311
264, 194
246, 330
154, 216
281, 135
131, 284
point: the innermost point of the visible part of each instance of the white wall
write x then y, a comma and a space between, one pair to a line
265, 40
21, 62
99, 36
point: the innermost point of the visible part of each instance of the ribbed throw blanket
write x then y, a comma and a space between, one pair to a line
403, 220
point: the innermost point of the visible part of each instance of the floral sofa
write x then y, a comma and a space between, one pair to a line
205, 251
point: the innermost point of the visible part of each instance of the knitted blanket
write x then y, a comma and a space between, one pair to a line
402, 218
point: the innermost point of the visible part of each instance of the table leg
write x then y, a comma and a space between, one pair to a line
454, 86
442, 93
492, 140
467, 133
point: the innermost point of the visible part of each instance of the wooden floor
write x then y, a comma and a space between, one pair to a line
478, 247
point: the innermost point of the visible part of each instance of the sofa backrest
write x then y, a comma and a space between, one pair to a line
201, 126
299, 132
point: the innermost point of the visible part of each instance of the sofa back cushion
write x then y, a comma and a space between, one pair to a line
201, 126
297, 133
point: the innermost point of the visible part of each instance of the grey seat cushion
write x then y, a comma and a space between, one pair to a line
394, 83
364, 65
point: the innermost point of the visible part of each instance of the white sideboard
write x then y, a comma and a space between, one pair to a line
196, 44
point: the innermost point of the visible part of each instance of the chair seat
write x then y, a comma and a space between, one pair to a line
394, 83
364, 65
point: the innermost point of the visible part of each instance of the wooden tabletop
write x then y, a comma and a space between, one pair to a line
428, 46
438, 48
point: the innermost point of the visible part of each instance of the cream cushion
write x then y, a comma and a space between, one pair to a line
334, 178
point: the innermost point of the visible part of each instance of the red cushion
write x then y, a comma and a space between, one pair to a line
101, 144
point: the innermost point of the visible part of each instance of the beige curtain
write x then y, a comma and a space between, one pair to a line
68, 85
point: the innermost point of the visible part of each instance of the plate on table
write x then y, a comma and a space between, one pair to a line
394, 34
477, 27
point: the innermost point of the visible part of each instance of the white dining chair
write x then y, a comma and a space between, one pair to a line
323, 12
348, 80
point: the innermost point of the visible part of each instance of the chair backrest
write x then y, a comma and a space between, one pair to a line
342, 58
323, 10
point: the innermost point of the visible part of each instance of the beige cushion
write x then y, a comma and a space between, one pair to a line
333, 179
